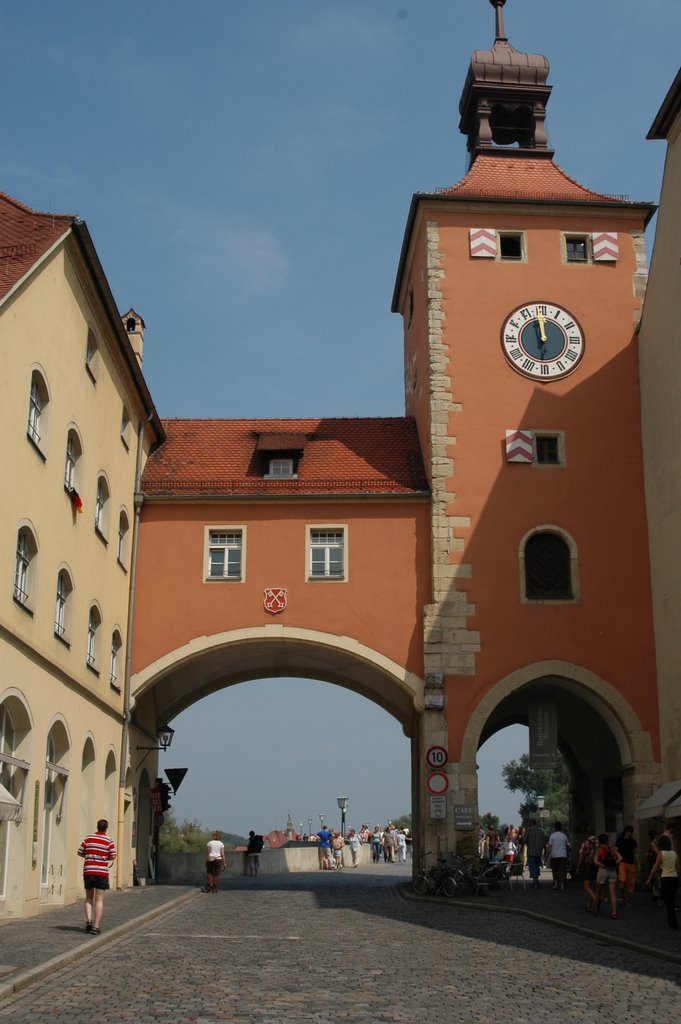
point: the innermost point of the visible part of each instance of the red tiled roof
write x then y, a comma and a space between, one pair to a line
25, 236
341, 456
509, 177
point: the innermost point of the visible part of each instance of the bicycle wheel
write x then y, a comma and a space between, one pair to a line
420, 885
493, 882
449, 886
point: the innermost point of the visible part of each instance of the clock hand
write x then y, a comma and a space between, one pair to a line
541, 320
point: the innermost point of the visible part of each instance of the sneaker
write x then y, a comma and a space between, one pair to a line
88, 926
96, 931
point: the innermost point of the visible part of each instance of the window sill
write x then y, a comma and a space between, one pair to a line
224, 579
115, 687
93, 669
326, 579
123, 566
90, 373
36, 447
62, 640
101, 536
24, 607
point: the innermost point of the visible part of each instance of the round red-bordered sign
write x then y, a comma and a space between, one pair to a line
437, 757
437, 783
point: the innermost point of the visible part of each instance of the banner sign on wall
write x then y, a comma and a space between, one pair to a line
543, 733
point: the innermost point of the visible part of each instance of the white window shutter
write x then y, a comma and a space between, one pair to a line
606, 247
483, 242
519, 446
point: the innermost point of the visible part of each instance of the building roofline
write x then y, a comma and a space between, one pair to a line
668, 112
448, 197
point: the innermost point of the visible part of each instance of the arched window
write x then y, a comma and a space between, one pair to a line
102, 507
38, 411
73, 463
94, 623
548, 573
123, 539
115, 667
62, 606
25, 564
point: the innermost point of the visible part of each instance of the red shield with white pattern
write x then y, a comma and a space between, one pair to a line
275, 599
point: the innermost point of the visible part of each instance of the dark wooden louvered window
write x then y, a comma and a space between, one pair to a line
547, 568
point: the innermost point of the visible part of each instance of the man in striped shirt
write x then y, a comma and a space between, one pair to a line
98, 851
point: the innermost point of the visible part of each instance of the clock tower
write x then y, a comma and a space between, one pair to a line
520, 291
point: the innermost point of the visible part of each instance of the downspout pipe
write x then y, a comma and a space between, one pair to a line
138, 499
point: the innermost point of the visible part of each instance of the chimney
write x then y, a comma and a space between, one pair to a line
134, 327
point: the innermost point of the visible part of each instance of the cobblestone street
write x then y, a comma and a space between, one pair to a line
346, 948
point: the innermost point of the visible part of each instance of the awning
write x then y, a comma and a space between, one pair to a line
10, 809
658, 803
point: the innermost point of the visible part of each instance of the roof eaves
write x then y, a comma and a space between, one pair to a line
84, 239
668, 112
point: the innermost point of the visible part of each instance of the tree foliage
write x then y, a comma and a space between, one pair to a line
404, 821
190, 836
552, 784
489, 820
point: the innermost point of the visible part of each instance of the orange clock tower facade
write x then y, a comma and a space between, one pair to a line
521, 292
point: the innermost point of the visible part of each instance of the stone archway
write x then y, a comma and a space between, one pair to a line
600, 736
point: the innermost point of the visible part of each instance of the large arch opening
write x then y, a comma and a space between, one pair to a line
370, 716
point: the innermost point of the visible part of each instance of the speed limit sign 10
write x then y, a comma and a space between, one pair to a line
437, 757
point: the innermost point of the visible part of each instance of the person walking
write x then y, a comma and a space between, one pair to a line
606, 859
535, 844
253, 851
325, 836
337, 844
98, 852
667, 861
215, 862
628, 866
355, 844
376, 844
587, 869
558, 851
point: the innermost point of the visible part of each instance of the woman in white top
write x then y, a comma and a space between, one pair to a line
668, 862
558, 850
215, 862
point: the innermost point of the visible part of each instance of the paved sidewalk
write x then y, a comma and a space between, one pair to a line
35, 947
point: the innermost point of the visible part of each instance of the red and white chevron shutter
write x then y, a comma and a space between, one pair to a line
606, 247
519, 446
483, 242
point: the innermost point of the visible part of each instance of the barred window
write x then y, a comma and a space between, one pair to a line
547, 568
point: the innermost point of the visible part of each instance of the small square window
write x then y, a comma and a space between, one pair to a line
576, 249
548, 449
281, 467
511, 245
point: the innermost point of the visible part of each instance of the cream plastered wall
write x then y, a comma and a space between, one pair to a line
44, 325
660, 364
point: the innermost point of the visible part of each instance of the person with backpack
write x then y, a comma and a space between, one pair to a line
606, 859
587, 870
253, 851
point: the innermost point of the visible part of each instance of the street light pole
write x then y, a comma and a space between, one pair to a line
343, 805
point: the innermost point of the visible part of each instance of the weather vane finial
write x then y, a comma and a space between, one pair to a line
498, 6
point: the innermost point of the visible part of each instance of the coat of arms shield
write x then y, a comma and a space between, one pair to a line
275, 599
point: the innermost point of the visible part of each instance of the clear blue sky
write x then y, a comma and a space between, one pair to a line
245, 170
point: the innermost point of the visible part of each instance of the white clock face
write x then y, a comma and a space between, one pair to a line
542, 341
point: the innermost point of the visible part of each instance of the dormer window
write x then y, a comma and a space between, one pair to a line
282, 468
279, 454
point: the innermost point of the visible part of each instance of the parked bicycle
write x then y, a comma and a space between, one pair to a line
434, 881
479, 877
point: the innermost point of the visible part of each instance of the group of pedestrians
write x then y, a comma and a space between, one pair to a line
388, 844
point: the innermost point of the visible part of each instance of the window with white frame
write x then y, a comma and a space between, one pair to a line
102, 507
281, 467
72, 463
25, 567
62, 606
38, 408
225, 554
94, 624
115, 659
122, 539
327, 553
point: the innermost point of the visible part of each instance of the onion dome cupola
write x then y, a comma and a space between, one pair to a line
503, 103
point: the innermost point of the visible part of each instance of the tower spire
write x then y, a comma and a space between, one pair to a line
500, 30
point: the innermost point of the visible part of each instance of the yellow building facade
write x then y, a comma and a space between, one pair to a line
73, 420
